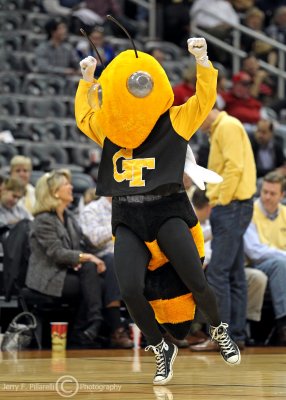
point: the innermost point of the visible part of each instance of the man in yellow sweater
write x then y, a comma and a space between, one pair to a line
231, 157
265, 244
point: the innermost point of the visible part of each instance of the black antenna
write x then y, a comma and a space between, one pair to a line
83, 32
111, 18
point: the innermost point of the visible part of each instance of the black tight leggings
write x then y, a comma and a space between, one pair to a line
131, 261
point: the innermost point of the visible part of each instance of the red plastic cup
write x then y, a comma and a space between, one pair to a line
59, 335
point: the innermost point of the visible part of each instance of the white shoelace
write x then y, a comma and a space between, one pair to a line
159, 356
223, 338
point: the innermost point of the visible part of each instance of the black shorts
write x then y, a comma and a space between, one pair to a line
145, 217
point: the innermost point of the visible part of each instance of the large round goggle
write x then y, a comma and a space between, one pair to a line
140, 84
94, 96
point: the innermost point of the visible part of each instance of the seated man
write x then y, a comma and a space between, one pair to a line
265, 244
267, 148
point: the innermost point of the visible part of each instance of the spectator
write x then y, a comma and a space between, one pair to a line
95, 222
75, 13
242, 6
231, 157
176, 21
217, 18
60, 8
268, 7
88, 196
267, 148
184, 90
12, 190
254, 19
59, 267
239, 102
55, 55
277, 29
21, 167
265, 244
263, 86
104, 7
159, 55
256, 280
105, 50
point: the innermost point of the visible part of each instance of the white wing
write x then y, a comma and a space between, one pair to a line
199, 175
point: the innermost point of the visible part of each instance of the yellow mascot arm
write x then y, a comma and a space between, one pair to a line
187, 118
84, 115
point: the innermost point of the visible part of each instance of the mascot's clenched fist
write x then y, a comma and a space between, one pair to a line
87, 66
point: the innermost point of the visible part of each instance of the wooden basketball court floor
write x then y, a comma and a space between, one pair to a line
127, 374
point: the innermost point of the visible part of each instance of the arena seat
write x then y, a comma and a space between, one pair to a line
10, 42
9, 83
82, 155
9, 105
45, 155
49, 131
32, 40
20, 61
11, 21
36, 22
7, 151
43, 84
44, 107
11, 5
81, 182
7, 124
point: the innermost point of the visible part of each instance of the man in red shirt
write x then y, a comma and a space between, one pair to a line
238, 101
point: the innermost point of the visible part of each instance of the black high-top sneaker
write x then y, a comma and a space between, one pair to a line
165, 354
228, 349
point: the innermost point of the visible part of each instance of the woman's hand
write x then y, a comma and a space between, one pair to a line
99, 264
85, 257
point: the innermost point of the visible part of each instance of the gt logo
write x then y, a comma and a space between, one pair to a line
131, 168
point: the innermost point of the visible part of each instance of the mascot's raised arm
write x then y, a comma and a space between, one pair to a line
159, 245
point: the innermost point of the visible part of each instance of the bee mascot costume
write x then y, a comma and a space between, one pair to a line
159, 244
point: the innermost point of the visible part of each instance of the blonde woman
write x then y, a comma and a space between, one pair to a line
58, 264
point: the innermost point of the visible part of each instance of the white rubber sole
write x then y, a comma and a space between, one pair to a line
170, 376
233, 364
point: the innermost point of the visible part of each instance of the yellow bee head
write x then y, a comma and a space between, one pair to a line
132, 92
